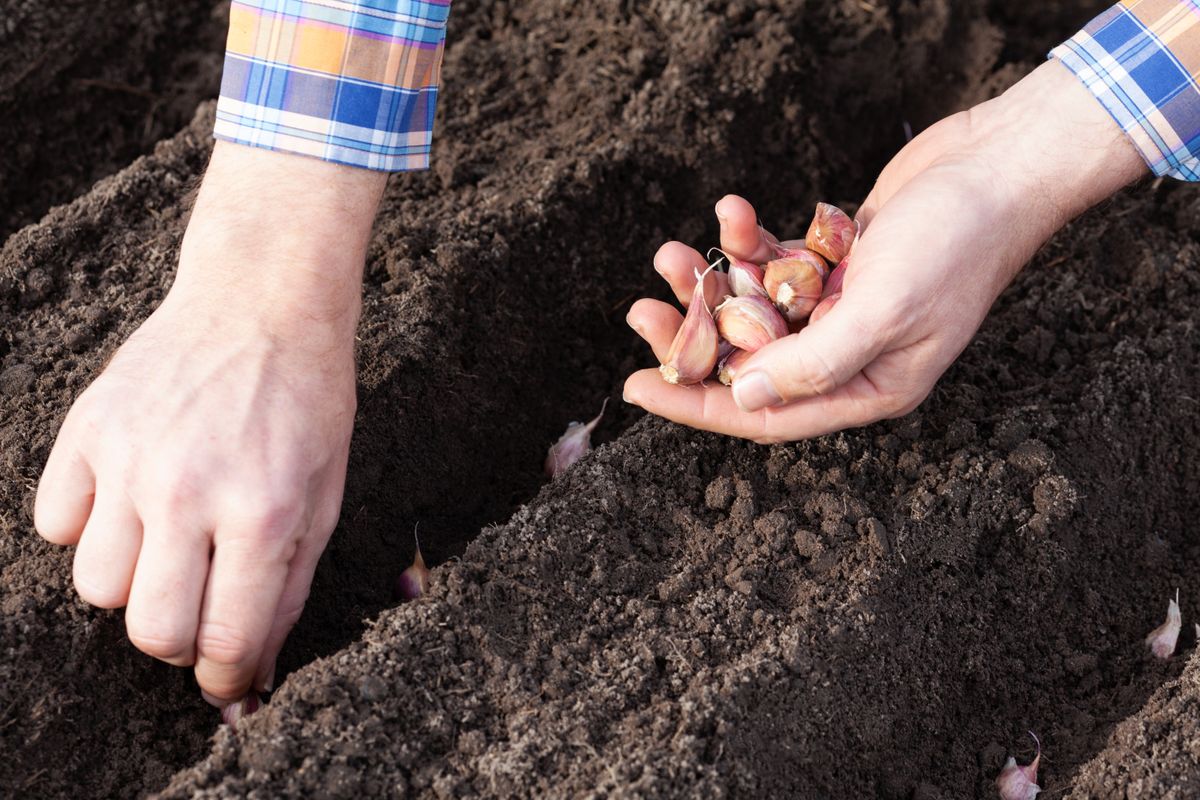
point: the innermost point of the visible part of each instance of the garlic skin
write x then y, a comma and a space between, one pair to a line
572, 445
836, 278
1162, 640
1020, 783
414, 581
728, 368
693, 352
234, 712
795, 283
746, 279
831, 233
749, 323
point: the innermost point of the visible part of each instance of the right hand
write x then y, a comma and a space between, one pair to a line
201, 474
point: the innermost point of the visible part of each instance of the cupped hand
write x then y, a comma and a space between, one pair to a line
201, 474
949, 223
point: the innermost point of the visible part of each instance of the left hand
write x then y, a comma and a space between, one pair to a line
950, 222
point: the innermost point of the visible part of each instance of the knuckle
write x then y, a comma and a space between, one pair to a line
819, 375
223, 645
161, 641
269, 516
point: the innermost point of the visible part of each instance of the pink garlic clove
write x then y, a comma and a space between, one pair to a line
414, 581
728, 368
1020, 783
235, 712
745, 277
832, 232
1162, 640
795, 283
573, 444
693, 352
750, 322
834, 284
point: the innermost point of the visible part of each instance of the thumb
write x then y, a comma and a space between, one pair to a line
815, 361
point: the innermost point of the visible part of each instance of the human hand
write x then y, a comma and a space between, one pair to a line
201, 474
949, 223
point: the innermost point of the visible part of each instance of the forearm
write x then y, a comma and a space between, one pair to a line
286, 232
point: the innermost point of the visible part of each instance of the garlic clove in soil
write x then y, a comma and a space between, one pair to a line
234, 712
693, 352
1162, 640
831, 233
573, 444
750, 322
795, 283
728, 368
414, 581
1020, 783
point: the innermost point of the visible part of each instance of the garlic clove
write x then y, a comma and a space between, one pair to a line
573, 444
414, 581
831, 233
1020, 783
1162, 640
749, 322
836, 278
795, 283
693, 352
235, 712
745, 277
729, 366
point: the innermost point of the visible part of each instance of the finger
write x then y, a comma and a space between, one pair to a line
168, 586
679, 264
65, 492
711, 407
243, 591
741, 234
108, 549
657, 323
816, 361
291, 606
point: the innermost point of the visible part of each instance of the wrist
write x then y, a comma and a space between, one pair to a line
1060, 146
286, 233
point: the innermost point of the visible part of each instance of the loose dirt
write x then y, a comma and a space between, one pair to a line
879, 613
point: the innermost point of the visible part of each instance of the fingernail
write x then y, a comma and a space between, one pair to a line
270, 684
629, 321
657, 268
754, 391
213, 700
721, 220
625, 398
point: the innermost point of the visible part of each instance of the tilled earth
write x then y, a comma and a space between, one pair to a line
879, 613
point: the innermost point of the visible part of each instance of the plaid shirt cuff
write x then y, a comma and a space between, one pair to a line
349, 81
1141, 59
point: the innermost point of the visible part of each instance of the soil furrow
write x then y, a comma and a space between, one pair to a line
879, 613
86, 87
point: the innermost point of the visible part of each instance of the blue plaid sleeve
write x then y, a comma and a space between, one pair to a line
349, 81
1141, 59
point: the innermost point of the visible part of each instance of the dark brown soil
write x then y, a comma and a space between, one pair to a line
880, 613
86, 87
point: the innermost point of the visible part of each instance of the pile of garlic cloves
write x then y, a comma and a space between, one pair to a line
798, 286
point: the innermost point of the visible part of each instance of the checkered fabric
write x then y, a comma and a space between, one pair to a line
1141, 59
351, 82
